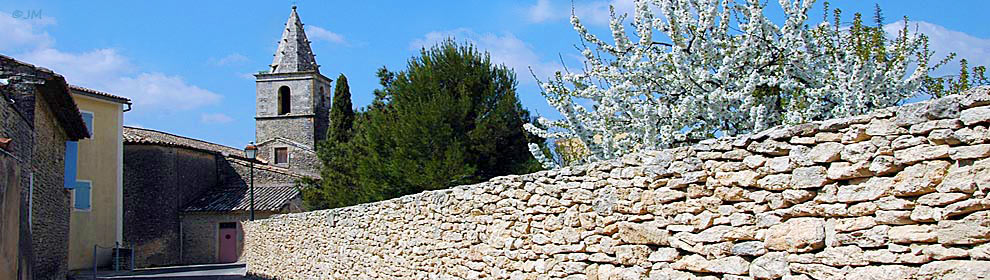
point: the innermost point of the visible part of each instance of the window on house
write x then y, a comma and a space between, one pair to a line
71, 158
284, 102
281, 155
82, 196
88, 119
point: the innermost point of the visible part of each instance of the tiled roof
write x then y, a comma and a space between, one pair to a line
134, 135
105, 95
268, 198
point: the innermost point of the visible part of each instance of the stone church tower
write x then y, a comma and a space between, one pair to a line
293, 103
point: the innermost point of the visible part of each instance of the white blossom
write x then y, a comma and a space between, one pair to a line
723, 68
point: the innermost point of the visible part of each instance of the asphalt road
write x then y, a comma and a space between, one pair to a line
189, 272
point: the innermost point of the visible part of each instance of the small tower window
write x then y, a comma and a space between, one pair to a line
284, 101
281, 155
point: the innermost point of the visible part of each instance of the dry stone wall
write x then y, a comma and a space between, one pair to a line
898, 194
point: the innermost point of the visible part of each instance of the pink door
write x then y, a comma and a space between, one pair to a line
228, 243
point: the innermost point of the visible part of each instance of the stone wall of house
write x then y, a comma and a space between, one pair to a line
201, 233
18, 125
900, 193
236, 172
12, 222
158, 182
50, 201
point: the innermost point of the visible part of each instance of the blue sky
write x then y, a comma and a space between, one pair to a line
187, 64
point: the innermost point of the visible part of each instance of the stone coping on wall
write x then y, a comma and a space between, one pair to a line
901, 193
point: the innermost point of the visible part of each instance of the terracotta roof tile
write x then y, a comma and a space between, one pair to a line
134, 135
120, 99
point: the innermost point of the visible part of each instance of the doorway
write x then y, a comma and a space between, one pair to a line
228, 243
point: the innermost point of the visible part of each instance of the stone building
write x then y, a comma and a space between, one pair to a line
184, 198
38, 117
180, 194
293, 104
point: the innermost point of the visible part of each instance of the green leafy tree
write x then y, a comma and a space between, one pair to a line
451, 118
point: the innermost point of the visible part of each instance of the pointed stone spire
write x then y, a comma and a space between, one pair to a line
294, 53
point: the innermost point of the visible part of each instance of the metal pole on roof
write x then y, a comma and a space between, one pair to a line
252, 189
251, 152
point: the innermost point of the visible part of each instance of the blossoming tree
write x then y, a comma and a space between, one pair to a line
694, 69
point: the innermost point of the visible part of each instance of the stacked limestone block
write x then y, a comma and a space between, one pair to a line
898, 194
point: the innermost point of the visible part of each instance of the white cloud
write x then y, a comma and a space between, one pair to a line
321, 34
590, 12
101, 69
542, 11
92, 68
24, 33
231, 59
505, 49
215, 118
944, 41
163, 92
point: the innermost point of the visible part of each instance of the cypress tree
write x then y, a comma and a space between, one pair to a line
341, 113
336, 188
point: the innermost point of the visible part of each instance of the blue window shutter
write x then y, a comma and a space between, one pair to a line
88, 118
71, 158
83, 190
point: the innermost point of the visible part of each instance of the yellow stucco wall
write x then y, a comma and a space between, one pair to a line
100, 163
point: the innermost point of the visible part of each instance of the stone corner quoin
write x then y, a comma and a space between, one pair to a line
899, 193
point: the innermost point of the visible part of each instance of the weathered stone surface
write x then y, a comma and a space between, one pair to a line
884, 272
960, 179
912, 234
981, 252
883, 127
941, 199
854, 224
645, 233
944, 108
973, 229
808, 177
943, 137
825, 152
954, 269
771, 265
970, 152
631, 254
976, 115
869, 190
886, 217
894, 203
797, 235
920, 178
858, 152
775, 182
965, 207
780, 165
883, 165
921, 153
845, 170
730, 265
939, 252
842, 256
788, 203
868, 238
769, 147
749, 248
664, 255
818, 271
